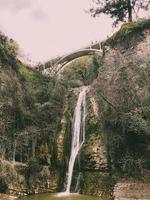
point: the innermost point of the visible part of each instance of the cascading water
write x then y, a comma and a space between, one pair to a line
77, 138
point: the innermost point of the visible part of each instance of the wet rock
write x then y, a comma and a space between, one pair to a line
94, 155
60, 140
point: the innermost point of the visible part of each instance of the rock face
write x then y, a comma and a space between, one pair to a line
122, 91
97, 183
27, 129
36, 116
134, 63
94, 155
94, 165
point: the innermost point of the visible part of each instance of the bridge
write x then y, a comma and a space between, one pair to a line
57, 64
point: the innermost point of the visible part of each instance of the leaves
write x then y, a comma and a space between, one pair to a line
8, 50
118, 9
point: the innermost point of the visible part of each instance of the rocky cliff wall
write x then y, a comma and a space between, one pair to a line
37, 115
121, 92
30, 114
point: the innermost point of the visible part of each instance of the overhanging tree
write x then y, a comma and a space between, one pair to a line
120, 10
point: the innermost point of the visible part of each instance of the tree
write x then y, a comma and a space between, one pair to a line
119, 9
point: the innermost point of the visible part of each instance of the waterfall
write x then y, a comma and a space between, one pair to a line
78, 134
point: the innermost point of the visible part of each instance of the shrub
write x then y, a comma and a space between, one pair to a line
3, 185
8, 51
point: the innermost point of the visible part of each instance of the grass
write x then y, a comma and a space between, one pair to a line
8, 51
126, 30
81, 71
38, 85
32, 76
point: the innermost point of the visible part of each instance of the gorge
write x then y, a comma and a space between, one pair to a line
86, 131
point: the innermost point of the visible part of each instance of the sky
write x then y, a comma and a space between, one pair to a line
45, 29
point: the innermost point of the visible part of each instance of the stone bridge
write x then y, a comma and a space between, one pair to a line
59, 63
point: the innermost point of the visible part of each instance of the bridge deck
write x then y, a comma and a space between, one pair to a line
84, 52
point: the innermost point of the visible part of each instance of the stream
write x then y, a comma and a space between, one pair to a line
48, 196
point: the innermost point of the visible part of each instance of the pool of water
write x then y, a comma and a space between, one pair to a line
48, 196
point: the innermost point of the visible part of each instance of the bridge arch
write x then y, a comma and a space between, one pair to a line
62, 61
70, 57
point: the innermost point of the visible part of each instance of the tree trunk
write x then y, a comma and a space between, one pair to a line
129, 11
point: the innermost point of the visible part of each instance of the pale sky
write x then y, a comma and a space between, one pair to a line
47, 28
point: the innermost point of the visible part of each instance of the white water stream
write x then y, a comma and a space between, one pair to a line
78, 136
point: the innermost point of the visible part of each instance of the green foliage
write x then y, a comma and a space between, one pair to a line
8, 51
136, 123
3, 185
59, 91
93, 127
127, 30
129, 141
40, 86
132, 166
118, 9
12, 121
33, 171
68, 115
51, 63
45, 97
100, 184
124, 112
82, 71
31, 106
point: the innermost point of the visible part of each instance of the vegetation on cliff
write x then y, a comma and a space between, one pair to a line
123, 94
81, 72
31, 107
127, 32
120, 10
35, 110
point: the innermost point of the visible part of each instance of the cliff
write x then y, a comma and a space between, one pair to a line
122, 92
30, 114
36, 116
